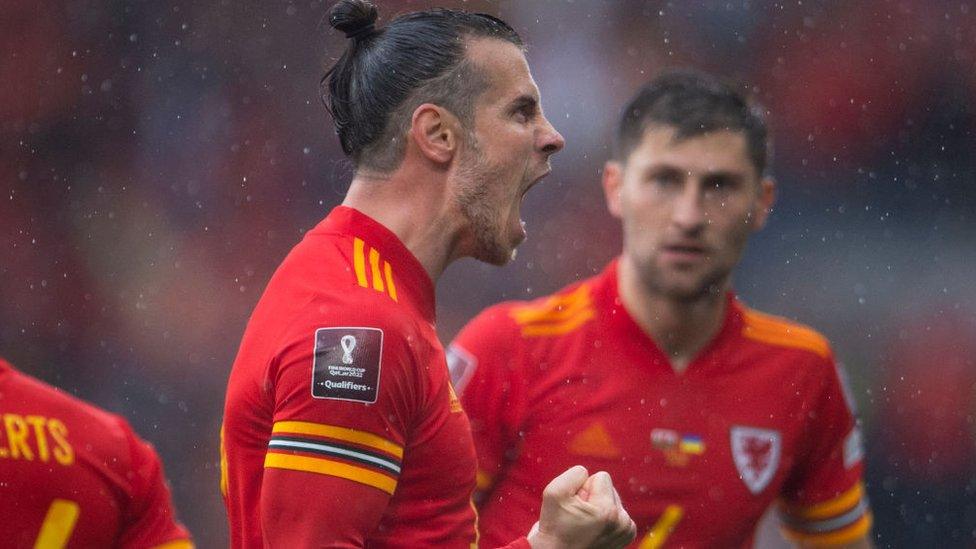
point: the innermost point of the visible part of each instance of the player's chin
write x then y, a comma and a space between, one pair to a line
496, 256
511, 235
501, 250
691, 288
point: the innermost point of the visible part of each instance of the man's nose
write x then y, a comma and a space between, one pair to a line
551, 141
689, 211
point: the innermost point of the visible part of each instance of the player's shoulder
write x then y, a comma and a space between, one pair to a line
339, 280
320, 263
558, 314
360, 310
780, 332
102, 431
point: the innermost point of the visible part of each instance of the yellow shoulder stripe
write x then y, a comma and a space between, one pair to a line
390, 287
331, 468
557, 307
359, 261
374, 266
223, 463
827, 509
557, 329
854, 532
176, 544
339, 433
781, 332
555, 315
382, 279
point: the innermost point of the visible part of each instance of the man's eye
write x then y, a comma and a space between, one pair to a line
665, 179
720, 184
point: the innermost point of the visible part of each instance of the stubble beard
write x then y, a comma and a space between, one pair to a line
478, 176
708, 285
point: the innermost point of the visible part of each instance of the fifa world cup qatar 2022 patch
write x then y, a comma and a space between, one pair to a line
346, 364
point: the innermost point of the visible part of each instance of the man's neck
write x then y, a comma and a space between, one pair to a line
415, 209
680, 328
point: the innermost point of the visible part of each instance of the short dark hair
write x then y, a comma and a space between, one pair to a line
385, 73
694, 103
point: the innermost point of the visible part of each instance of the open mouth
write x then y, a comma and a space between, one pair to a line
525, 191
535, 182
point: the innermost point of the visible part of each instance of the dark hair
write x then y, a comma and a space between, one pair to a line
694, 103
385, 73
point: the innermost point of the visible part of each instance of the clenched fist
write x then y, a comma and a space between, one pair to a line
582, 511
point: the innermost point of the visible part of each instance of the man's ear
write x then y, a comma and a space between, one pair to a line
435, 132
612, 182
764, 206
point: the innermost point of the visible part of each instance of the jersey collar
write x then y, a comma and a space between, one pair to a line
413, 281
711, 354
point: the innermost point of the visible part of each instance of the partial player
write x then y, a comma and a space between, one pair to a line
341, 427
72, 475
705, 410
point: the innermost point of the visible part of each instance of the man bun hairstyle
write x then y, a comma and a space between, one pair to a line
694, 103
356, 19
386, 72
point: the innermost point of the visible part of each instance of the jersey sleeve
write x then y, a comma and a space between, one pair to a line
483, 361
824, 502
148, 521
345, 403
520, 543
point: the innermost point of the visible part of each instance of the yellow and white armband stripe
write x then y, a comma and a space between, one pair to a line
841, 520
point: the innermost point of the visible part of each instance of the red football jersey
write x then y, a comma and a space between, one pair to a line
341, 427
697, 457
72, 475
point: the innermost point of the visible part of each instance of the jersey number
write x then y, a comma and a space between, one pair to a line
58, 524
656, 537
